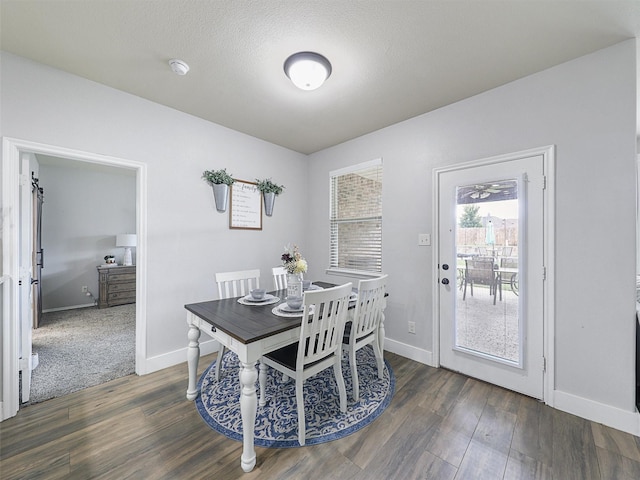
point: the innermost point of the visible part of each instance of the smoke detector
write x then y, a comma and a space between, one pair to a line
178, 66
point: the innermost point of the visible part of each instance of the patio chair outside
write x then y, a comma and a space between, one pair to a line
481, 271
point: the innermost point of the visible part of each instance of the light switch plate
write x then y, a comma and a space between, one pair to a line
424, 239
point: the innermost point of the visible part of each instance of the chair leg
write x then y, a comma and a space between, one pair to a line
221, 350
355, 384
262, 381
337, 370
495, 293
300, 407
379, 358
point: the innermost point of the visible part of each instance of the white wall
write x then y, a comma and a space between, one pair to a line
84, 209
587, 109
188, 241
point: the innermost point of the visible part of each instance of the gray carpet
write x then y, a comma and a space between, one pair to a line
81, 348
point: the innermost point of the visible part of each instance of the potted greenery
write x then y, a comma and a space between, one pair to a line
220, 181
269, 191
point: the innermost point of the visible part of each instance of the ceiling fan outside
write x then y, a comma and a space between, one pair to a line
488, 192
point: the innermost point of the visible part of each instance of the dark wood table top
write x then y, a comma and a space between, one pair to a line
246, 323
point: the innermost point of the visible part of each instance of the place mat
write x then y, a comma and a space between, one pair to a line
277, 422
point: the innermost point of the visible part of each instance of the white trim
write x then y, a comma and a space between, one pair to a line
10, 270
166, 360
355, 168
409, 351
352, 273
598, 412
71, 307
549, 306
548, 154
11, 150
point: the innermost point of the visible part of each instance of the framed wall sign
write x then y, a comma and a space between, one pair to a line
246, 206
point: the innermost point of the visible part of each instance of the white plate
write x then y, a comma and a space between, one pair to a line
314, 287
286, 308
266, 298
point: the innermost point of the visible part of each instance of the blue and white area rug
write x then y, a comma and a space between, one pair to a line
277, 421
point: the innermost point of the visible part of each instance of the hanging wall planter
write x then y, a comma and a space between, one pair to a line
269, 200
269, 191
221, 196
220, 181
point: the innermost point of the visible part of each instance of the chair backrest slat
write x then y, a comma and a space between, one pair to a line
321, 332
236, 284
369, 306
279, 278
481, 270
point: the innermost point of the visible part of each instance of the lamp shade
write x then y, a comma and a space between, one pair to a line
126, 240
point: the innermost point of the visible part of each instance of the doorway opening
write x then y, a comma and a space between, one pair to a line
13, 323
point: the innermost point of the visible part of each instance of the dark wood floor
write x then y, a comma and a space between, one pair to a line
440, 425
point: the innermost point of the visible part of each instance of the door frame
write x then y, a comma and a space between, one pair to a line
11, 152
548, 324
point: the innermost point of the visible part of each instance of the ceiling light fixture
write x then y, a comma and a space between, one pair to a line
178, 66
307, 70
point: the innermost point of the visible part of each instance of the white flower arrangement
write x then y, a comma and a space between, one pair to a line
292, 260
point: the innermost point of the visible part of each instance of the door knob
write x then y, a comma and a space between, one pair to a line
445, 281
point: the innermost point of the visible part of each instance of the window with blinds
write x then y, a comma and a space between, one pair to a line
356, 218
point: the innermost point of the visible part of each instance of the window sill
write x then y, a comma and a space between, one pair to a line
352, 273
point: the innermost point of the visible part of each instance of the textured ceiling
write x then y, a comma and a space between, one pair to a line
392, 60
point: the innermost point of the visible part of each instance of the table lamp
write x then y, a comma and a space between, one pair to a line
126, 240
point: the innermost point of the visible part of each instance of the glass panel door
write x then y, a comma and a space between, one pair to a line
486, 244
491, 271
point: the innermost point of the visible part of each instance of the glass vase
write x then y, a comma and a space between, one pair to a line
294, 284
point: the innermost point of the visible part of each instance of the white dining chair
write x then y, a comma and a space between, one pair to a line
323, 319
363, 330
230, 285
279, 278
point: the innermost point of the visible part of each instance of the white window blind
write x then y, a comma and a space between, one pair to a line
356, 218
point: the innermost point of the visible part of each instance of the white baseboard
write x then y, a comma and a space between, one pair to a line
153, 364
70, 307
159, 362
613, 417
409, 351
598, 412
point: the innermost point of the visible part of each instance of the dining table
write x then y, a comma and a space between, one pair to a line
250, 331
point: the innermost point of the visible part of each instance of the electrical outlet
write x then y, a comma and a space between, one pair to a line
412, 327
85, 289
424, 239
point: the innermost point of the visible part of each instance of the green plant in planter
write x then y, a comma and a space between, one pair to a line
267, 186
218, 177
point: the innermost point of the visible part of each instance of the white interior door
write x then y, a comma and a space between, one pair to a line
25, 311
491, 272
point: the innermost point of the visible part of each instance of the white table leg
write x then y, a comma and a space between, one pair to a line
193, 355
263, 384
248, 410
